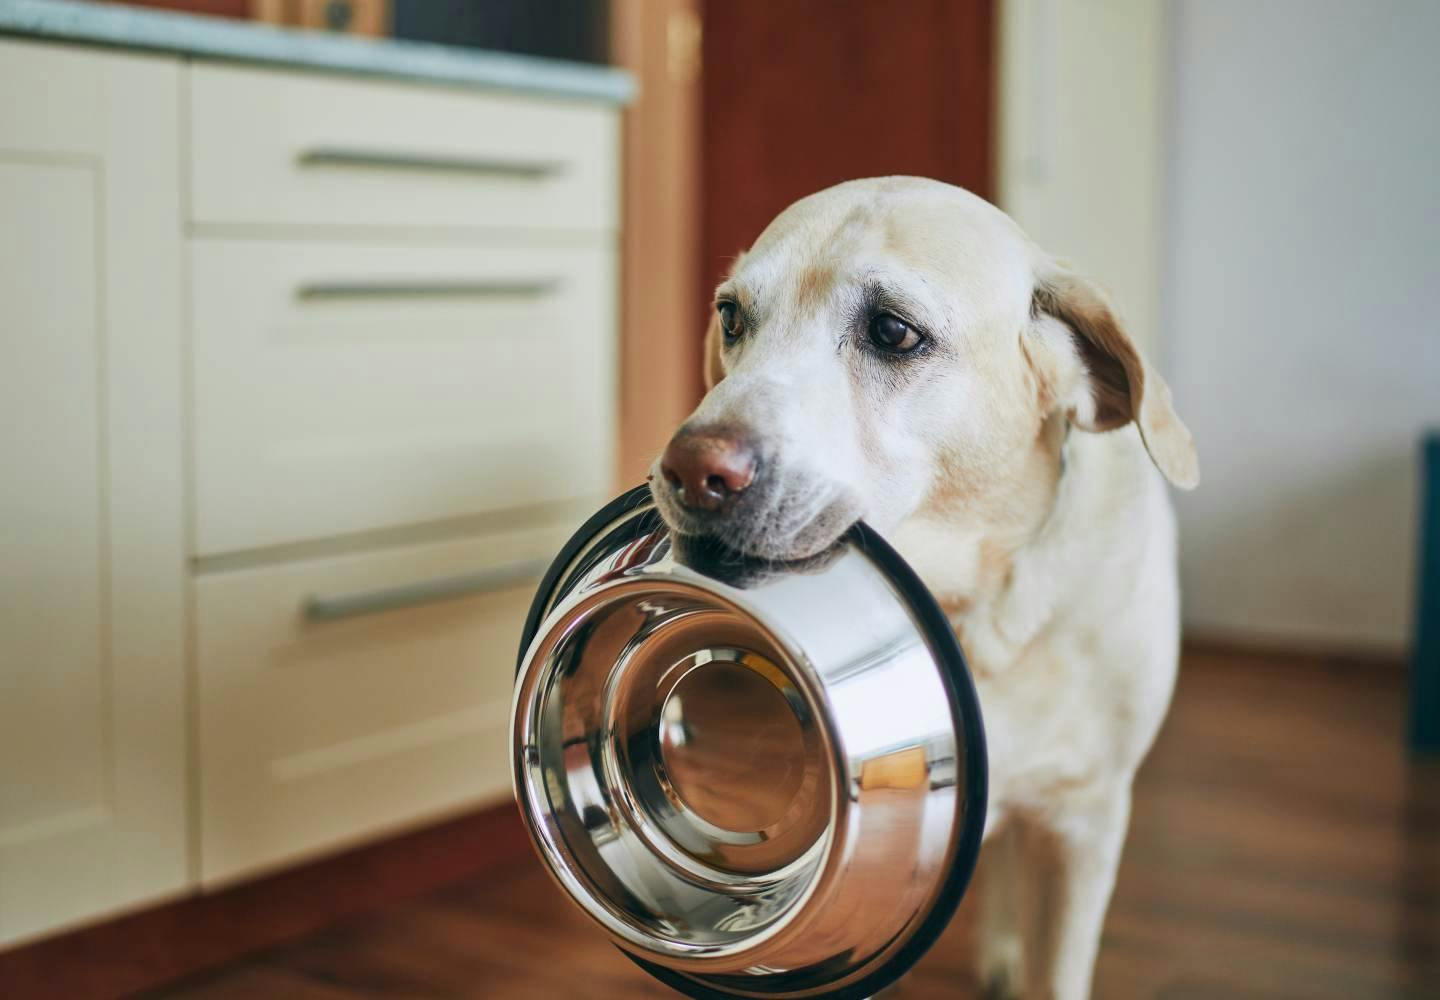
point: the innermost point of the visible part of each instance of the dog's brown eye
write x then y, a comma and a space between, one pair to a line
729, 319
890, 333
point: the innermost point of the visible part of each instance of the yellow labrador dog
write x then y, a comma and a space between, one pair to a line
898, 350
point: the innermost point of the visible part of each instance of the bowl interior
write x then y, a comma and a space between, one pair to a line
679, 756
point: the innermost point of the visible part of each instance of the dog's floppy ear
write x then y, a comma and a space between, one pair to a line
1112, 384
714, 341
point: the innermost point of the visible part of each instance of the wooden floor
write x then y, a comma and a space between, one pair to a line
1281, 848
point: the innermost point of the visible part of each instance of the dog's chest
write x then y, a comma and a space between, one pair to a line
1046, 735
1073, 679
1066, 719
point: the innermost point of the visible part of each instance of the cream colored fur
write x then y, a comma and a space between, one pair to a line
1009, 465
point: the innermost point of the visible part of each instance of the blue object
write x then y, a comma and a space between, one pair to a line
1425, 652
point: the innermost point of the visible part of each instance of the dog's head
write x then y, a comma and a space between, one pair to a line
890, 345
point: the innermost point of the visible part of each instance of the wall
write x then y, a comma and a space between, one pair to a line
1081, 139
1302, 264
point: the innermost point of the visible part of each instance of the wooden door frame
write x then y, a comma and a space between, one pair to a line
661, 304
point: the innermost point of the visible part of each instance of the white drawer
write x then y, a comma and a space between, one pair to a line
317, 731
342, 387
286, 148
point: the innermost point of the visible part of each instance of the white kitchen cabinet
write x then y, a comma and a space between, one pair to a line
302, 380
92, 674
413, 334
278, 148
345, 387
345, 696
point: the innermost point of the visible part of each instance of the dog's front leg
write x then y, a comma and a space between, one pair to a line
1002, 883
1071, 864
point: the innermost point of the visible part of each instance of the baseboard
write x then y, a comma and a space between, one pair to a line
164, 943
1211, 640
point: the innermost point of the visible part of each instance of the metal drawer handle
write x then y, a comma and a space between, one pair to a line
370, 602
334, 156
321, 291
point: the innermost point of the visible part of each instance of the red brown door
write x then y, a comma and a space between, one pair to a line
802, 94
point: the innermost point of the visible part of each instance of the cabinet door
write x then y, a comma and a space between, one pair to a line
92, 733
395, 387
342, 698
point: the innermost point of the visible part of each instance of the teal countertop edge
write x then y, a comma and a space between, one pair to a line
252, 42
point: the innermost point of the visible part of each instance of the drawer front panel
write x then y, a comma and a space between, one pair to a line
287, 148
319, 731
345, 388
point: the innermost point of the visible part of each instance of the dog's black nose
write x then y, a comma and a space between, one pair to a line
706, 468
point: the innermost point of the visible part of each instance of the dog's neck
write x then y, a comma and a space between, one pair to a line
983, 555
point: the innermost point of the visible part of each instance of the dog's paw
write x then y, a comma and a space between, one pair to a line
1001, 986
1002, 970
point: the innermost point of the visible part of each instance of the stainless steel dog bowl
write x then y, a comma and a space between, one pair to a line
760, 782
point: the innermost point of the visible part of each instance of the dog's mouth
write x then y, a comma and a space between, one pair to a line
768, 529
713, 557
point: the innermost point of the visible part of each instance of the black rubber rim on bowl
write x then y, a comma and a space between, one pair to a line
964, 705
